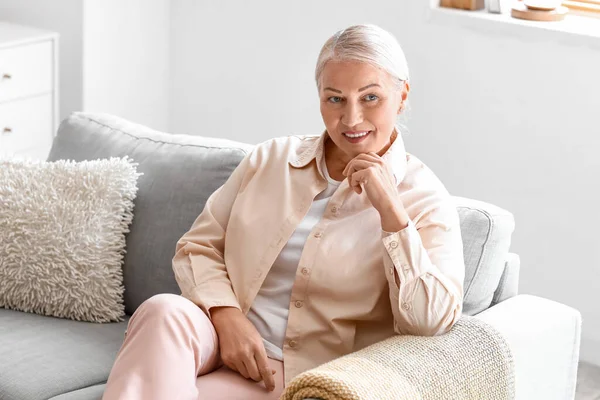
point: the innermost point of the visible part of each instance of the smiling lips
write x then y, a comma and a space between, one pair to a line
355, 134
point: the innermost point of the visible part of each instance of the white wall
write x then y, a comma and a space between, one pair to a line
498, 118
64, 17
126, 59
522, 119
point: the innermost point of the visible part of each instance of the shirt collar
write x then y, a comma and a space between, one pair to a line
394, 157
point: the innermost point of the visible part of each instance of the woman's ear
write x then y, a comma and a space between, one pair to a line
404, 95
405, 91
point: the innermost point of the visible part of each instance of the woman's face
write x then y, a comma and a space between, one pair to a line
358, 98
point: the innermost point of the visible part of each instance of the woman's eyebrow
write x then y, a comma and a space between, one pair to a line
360, 90
368, 86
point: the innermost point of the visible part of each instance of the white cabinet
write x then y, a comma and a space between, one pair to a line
28, 90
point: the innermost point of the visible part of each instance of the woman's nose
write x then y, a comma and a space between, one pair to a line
352, 116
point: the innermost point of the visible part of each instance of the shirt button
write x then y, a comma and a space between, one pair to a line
394, 244
293, 343
405, 267
298, 303
406, 306
318, 234
305, 271
334, 209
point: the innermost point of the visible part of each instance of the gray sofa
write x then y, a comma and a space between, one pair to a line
50, 358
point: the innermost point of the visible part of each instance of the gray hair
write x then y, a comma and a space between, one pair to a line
366, 43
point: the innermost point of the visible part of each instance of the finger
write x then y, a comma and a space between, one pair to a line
241, 368
362, 186
357, 165
252, 369
374, 156
345, 171
350, 166
370, 156
230, 364
355, 183
265, 369
356, 179
365, 165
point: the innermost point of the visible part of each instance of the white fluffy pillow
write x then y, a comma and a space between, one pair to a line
62, 236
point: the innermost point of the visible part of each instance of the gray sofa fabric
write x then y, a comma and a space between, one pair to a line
486, 232
180, 172
42, 357
89, 393
509, 281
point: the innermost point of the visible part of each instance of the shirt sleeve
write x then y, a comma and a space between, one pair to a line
430, 265
198, 264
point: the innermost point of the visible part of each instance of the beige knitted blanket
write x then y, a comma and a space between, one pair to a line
472, 361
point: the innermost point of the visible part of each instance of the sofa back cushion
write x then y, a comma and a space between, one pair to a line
486, 232
180, 172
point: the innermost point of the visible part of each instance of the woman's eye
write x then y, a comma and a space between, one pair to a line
371, 97
334, 99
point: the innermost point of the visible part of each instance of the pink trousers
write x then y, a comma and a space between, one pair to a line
171, 351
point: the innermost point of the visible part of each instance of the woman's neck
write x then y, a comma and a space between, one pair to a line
336, 163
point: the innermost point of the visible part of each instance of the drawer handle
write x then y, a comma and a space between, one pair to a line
6, 76
7, 130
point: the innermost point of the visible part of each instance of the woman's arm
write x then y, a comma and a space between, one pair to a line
429, 265
198, 263
425, 267
201, 274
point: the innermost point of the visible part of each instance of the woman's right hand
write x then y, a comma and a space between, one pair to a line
241, 345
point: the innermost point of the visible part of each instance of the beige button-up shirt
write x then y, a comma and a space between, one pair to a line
344, 295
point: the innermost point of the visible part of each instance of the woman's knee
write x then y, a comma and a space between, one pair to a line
166, 302
165, 305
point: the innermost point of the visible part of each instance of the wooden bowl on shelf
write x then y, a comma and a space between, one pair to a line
542, 5
522, 11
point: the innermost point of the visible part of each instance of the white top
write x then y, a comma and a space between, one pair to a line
269, 311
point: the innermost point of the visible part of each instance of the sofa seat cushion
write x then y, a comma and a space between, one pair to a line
89, 393
42, 357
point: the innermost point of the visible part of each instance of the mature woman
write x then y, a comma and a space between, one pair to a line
315, 247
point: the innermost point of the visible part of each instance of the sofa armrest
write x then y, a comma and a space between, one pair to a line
471, 361
544, 337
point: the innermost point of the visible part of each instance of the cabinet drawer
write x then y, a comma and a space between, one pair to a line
26, 124
26, 70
